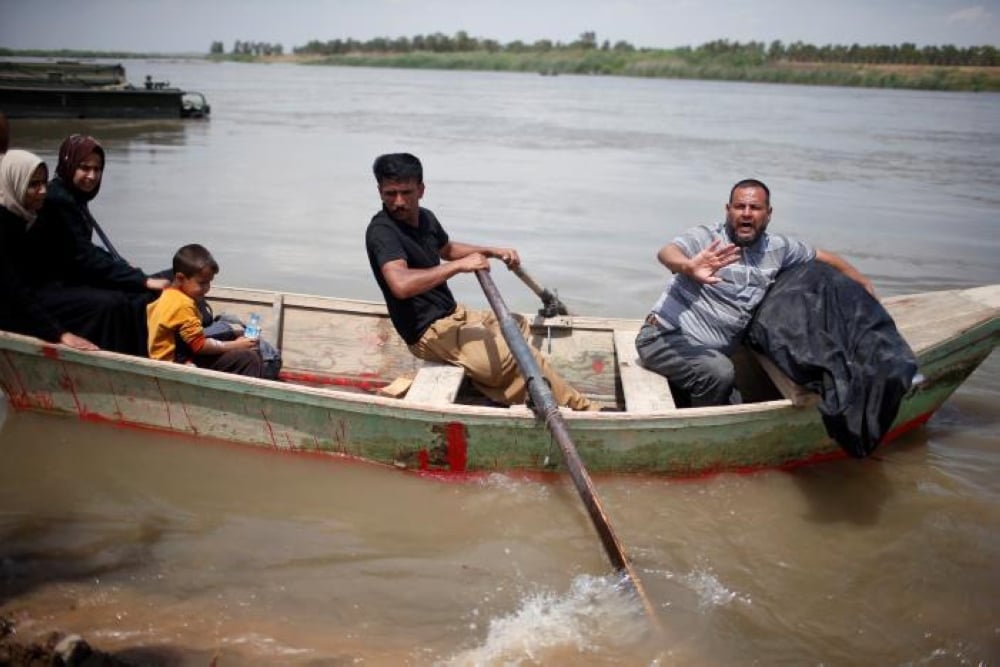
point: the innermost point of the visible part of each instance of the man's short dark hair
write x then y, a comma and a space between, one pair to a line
192, 259
398, 167
750, 183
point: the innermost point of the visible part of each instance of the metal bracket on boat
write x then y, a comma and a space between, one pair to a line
550, 324
556, 322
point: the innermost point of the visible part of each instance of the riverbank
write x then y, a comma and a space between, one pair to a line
664, 64
668, 65
56, 648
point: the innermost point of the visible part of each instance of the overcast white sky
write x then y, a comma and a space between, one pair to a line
175, 26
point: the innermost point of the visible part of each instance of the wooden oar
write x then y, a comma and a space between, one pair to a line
545, 406
551, 305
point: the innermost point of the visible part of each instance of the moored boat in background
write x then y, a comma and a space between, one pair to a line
74, 89
342, 360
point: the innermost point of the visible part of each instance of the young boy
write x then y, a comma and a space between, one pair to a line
175, 329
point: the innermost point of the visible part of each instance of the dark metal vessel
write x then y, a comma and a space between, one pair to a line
72, 89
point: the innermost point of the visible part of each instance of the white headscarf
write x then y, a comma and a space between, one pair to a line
16, 168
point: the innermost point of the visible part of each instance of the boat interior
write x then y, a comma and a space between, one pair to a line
346, 345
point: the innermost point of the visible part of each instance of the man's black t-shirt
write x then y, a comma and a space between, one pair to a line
388, 240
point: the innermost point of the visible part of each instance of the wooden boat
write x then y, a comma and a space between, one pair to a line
341, 356
73, 89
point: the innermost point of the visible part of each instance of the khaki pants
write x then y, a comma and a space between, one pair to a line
472, 339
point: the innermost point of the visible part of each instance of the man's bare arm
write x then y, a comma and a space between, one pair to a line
405, 282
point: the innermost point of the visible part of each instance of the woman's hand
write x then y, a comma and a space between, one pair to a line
77, 342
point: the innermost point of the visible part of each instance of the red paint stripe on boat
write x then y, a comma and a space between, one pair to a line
902, 429
17, 375
270, 430
366, 382
50, 352
66, 382
906, 427
458, 447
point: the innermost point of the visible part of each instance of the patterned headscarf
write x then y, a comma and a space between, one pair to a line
74, 150
16, 168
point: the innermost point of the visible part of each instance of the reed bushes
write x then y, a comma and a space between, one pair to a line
668, 64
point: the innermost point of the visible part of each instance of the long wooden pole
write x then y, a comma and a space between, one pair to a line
551, 304
546, 407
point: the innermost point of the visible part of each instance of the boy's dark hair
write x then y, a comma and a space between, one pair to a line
750, 183
398, 167
192, 259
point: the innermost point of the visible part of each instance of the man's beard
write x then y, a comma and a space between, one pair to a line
739, 242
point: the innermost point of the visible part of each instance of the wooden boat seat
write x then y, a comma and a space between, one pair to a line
644, 391
435, 383
795, 393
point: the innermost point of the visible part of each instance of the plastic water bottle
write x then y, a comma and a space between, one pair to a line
253, 326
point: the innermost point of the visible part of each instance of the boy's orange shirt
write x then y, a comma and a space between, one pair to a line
173, 314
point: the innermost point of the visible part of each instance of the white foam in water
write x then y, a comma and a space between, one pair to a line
711, 592
521, 490
595, 612
264, 645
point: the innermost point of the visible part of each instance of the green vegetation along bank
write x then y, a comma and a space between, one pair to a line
666, 65
974, 68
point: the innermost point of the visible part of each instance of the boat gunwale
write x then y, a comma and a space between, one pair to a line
332, 397
322, 397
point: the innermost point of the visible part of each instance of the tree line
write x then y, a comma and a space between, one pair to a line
733, 52
907, 53
736, 53
460, 42
247, 48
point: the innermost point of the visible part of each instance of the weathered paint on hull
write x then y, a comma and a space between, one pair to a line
457, 439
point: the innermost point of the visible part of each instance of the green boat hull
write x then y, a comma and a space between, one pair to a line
347, 417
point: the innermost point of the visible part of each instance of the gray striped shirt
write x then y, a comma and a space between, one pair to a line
717, 315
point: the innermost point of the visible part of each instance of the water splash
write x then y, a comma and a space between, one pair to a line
596, 614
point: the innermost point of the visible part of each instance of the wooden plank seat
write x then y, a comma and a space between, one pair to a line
795, 393
644, 390
435, 383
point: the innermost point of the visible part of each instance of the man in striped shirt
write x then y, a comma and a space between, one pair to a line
718, 276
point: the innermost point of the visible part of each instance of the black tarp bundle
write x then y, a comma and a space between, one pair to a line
829, 335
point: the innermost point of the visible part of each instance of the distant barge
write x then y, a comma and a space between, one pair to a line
72, 89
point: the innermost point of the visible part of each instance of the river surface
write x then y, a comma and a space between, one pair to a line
182, 552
